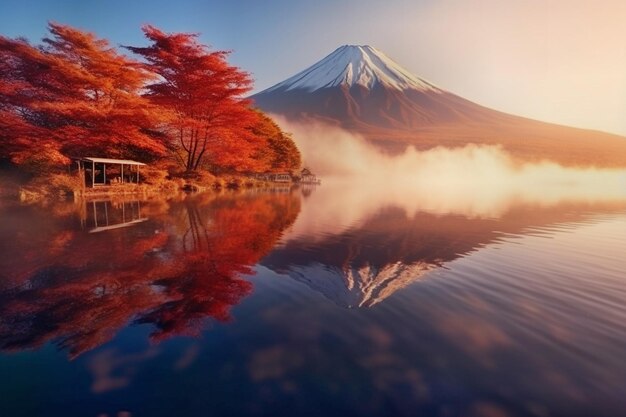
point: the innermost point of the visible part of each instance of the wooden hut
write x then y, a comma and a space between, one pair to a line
308, 177
274, 177
281, 177
107, 171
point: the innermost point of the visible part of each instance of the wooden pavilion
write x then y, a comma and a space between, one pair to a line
308, 177
274, 176
107, 171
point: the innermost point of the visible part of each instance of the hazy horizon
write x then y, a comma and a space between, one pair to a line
565, 63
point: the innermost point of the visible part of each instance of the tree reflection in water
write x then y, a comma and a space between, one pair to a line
185, 264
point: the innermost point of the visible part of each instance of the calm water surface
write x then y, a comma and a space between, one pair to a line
315, 302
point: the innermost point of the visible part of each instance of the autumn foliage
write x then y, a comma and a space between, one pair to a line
76, 95
204, 94
279, 153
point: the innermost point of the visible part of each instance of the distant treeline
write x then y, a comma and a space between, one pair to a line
174, 101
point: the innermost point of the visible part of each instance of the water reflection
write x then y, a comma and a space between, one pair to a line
367, 261
183, 260
107, 215
518, 311
183, 263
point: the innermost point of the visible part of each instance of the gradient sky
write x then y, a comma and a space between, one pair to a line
562, 61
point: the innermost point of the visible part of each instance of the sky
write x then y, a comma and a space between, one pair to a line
561, 61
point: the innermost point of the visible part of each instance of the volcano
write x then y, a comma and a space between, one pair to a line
360, 89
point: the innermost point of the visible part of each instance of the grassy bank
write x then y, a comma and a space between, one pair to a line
64, 186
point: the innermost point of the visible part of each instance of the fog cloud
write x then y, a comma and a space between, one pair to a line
474, 181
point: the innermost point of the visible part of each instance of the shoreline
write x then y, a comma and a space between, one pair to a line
33, 192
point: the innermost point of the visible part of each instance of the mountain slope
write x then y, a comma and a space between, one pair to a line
362, 90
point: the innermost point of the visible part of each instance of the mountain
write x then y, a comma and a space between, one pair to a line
362, 90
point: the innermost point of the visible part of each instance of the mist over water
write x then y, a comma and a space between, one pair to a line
474, 181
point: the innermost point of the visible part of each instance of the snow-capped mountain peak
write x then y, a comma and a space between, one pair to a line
351, 65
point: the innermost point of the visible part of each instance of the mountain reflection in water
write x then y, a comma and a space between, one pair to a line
363, 264
372, 240
518, 307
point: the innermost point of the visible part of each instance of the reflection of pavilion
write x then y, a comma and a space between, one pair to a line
307, 189
107, 215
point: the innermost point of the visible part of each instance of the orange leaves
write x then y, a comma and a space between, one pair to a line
205, 94
77, 91
278, 152
77, 95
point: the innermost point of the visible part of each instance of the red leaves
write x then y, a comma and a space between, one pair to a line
205, 93
77, 92
277, 152
76, 95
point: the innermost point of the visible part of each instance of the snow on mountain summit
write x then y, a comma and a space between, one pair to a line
351, 65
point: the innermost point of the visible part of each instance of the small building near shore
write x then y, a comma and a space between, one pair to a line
107, 171
281, 177
308, 177
274, 177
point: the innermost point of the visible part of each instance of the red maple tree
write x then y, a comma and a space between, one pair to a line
279, 152
204, 93
74, 95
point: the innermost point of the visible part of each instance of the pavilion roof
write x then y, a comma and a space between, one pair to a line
111, 161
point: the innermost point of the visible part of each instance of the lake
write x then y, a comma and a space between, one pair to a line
331, 300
